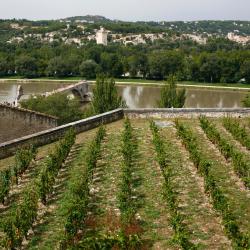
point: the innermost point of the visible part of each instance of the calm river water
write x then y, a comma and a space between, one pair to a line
139, 96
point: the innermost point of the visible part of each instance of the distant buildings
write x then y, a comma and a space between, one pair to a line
79, 35
136, 39
238, 39
102, 36
196, 38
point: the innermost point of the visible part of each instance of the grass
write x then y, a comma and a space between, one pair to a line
152, 214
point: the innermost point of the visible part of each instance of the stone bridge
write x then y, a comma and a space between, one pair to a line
80, 89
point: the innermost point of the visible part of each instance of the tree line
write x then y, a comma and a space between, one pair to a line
219, 61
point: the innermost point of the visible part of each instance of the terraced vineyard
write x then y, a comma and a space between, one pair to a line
133, 184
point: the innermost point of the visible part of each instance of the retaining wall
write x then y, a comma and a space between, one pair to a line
50, 135
41, 138
17, 122
185, 113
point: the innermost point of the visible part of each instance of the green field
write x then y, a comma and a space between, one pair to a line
148, 186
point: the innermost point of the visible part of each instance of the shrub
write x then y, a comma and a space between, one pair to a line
105, 96
58, 105
170, 97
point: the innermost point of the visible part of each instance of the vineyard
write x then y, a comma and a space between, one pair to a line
132, 184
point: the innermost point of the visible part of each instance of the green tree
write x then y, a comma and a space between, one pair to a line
111, 64
245, 70
26, 66
246, 101
3, 67
88, 69
58, 105
58, 66
162, 64
210, 67
170, 97
138, 64
105, 96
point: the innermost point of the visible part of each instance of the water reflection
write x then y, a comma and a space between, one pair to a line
8, 90
147, 97
135, 97
139, 96
8, 93
211, 98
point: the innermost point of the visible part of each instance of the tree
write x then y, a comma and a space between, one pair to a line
245, 70
138, 64
246, 101
111, 64
58, 66
170, 97
105, 96
88, 69
3, 67
210, 68
26, 66
58, 105
73, 62
162, 64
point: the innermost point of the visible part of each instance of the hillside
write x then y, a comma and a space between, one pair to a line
134, 185
81, 29
87, 18
204, 51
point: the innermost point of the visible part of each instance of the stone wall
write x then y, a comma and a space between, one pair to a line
185, 113
17, 122
41, 138
50, 135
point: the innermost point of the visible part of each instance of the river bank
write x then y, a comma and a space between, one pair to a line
137, 82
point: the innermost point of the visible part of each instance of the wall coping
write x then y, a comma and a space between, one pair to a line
126, 111
61, 128
47, 136
188, 110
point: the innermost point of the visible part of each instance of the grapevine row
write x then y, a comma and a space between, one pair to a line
125, 195
23, 158
241, 166
220, 201
181, 234
17, 226
239, 133
124, 238
53, 164
79, 193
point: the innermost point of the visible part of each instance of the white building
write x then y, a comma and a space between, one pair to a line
102, 36
238, 39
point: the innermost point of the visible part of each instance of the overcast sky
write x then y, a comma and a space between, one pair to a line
129, 10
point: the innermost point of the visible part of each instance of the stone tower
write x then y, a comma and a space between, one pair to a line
102, 36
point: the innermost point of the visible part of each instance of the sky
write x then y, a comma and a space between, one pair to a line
128, 10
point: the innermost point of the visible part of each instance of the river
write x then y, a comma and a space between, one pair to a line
139, 96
